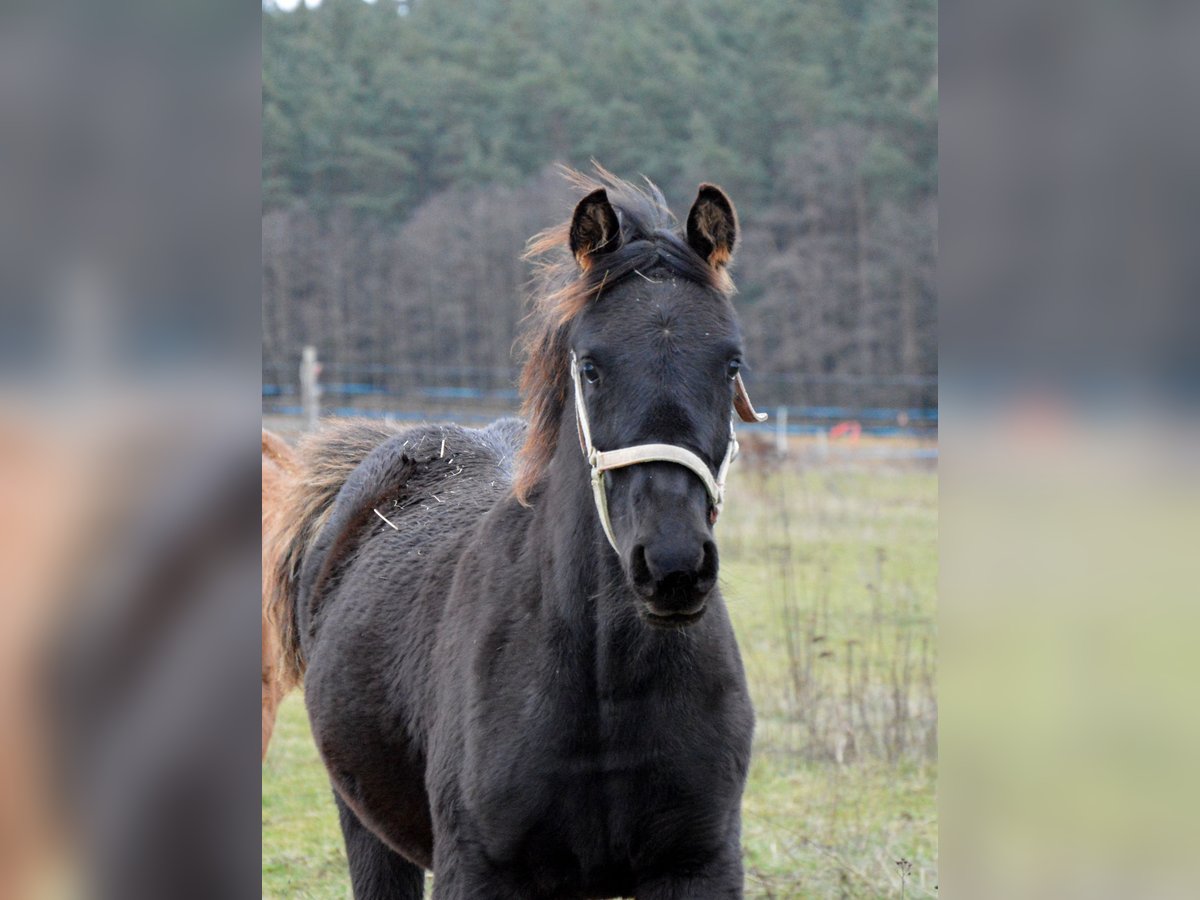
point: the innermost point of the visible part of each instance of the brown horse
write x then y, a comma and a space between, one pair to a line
119, 635
37, 482
278, 471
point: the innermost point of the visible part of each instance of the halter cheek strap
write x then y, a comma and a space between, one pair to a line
602, 461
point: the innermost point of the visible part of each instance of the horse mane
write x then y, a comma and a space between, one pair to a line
562, 287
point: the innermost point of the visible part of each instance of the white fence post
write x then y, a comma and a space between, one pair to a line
781, 432
310, 388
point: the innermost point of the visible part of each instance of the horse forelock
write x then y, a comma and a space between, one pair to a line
561, 289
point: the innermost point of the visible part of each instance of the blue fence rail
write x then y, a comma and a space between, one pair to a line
880, 405
839, 413
439, 380
475, 405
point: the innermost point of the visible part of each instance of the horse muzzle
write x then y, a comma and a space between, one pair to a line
673, 580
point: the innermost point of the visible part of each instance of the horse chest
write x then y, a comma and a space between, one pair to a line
582, 771
591, 790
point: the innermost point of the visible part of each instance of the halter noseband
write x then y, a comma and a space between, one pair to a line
602, 461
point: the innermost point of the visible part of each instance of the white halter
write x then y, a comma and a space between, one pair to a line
602, 461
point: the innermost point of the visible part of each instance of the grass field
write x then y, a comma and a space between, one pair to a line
831, 576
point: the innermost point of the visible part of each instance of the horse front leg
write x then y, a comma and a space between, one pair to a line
462, 873
376, 871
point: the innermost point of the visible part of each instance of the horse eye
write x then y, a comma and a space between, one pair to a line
735, 366
589, 371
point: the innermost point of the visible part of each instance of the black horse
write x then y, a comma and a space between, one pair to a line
498, 692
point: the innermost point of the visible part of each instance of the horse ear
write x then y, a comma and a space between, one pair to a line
712, 226
594, 227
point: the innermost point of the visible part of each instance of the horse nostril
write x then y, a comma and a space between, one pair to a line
706, 578
675, 577
639, 569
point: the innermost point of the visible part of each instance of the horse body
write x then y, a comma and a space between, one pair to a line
370, 640
563, 770
485, 680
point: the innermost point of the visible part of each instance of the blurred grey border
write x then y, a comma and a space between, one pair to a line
1070, 379
129, 400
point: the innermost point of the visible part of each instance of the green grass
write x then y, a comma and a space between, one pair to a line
831, 578
302, 852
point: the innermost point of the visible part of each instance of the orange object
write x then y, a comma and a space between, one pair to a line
850, 430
